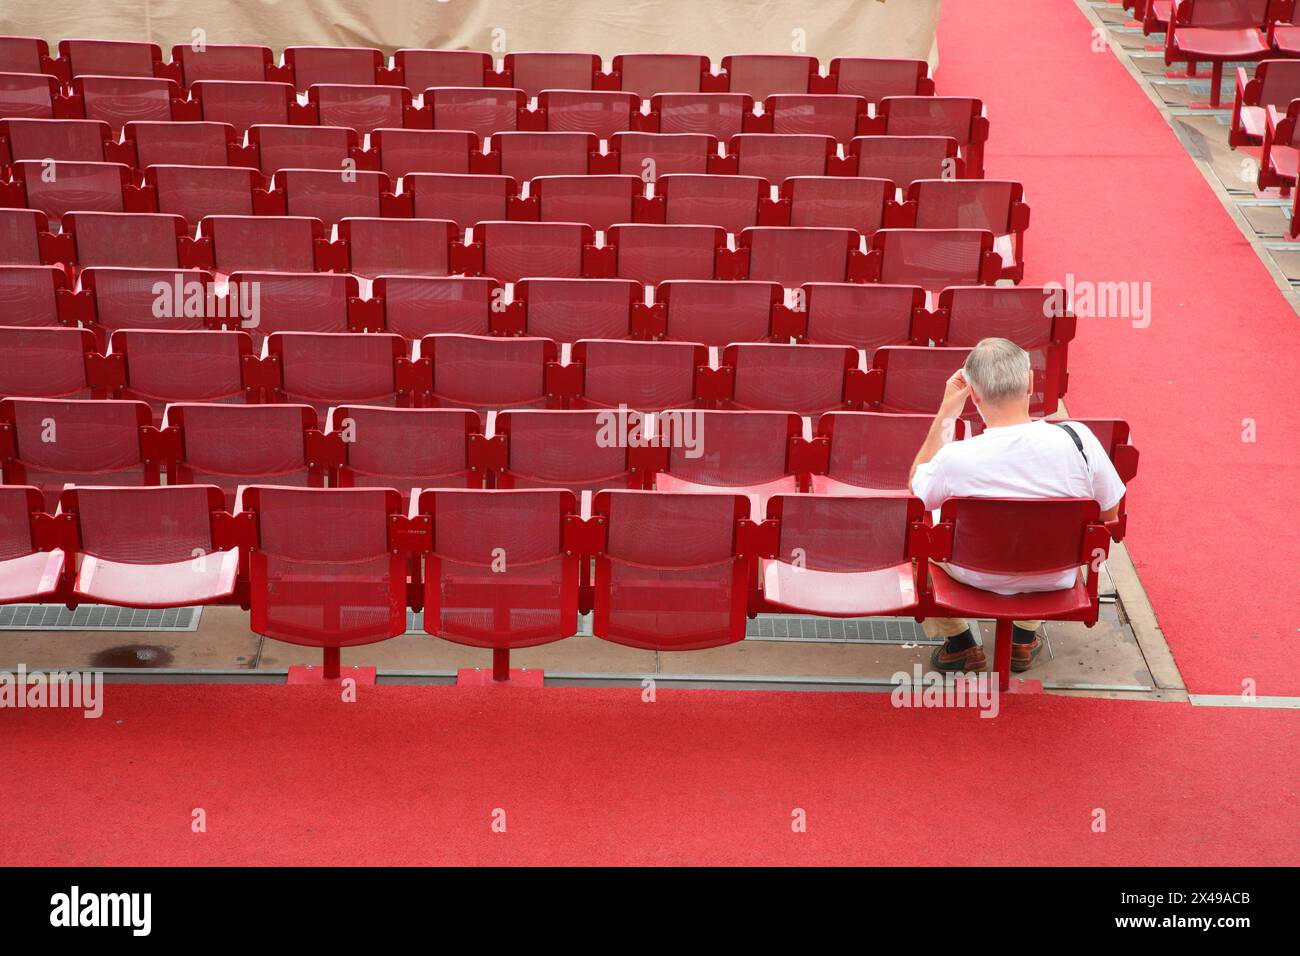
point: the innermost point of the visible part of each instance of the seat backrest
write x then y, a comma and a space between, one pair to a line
878, 77
732, 448
233, 445
647, 376
329, 196
362, 108
823, 114
729, 202
651, 155
937, 258
599, 112
96, 187
761, 75
528, 155
45, 362
302, 147
118, 100
646, 74
577, 449
846, 202
862, 315
62, 140
652, 253
243, 103
721, 115
915, 376
482, 111
164, 366
326, 369
416, 306
20, 230
460, 197
197, 191
778, 156
144, 526
965, 204
323, 64
23, 54
534, 72
515, 250
27, 95
570, 309
291, 302
486, 373
1222, 14
110, 57
406, 448
1023, 536
1277, 83
262, 243
181, 143
845, 533
17, 505
875, 450
130, 298
793, 255
422, 69
29, 294
140, 240
378, 246
904, 159
807, 379
599, 201
222, 61
403, 151
718, 312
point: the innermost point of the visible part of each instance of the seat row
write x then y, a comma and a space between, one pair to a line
305, 66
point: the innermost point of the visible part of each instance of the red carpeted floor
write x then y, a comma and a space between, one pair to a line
1114, 196
413, 775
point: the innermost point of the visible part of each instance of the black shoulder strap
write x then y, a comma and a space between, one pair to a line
1074, 437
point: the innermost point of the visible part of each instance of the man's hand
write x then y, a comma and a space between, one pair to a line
955, 392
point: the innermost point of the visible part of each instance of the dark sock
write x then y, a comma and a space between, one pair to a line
960, 642
1021, 636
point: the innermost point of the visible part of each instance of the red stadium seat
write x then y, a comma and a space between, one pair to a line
325, 369
652, 253
260, 243
310, 65
904, 159
793, 255
668, 575
651, 155
846, 202
778, 156
1283, 26
118, 100
459, 197
292, 302
193, 192
647, 376
422, 69
329, 195
161, 366
362, 108
112, 297
29, 295
647, 74
599, 112
1276, 83
482, 111
805, 379
732, 203
870, 451
100, 187
1216, 31
128, 240
996, 206
1016, 536
20, 237
911, 379
549, 448
243, 103
566, 310
29, 95
113, 58
26, 55
378, 246
935, 258
510, 251
151, 547
404, 151
62, 140
761, 75
28, 570
183, 144
1280, 158
302, 147
599, 201
862, 316
218, 61
528, 155
818, 114
720, 115
51, 442
488, 373
1114, 436
416, 306
50, 362
959, 117
742, 452
534, 72
406, 448
845, 555
875, 77
716, 312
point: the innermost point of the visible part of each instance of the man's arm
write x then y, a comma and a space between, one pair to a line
955, 393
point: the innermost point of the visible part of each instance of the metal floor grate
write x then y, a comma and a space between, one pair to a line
97, 617
874, 630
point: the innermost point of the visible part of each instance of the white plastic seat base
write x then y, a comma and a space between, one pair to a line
199, 580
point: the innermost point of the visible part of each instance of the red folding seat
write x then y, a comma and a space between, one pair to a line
422, 69
222, 61
730, 202
329, 195
460, 197
652, 253
818, 114
46, 362
805, 379
161, 366
1030, 316
647, 376
651, 155
1216, 31
194, 192
488, 373
514, 250
244, 103
325, 572
647, 74
28, 95
993, 205
28, 571
266, 243
129, 240
310, 65
1276, 83
960, 117
416, 247
51, 442
904, 159
362, 108
292, 302
534, 72
183, 144
61, 140
1114, 436
1280, 158
233, 445
845, 555
1016, 536
743, 452
570, 309
599, 112
936, 258
482, 111
1283, 27
847, 202
20, 236
871, 451
878, 77
500, 574
302, 147
911, 379
151, 547
761, 75
599, 201
29, 295
720, 115
83, 186
778, 156
416, 306
405, 151
112, 298
717, 312
406, 448
325, 369
793, 255
25, 55
550, 448
529, 155
668, 575
113, 58
118, 100
1154, 15
863, 316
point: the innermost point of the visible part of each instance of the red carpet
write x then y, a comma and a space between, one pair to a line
412, 775
1115, 197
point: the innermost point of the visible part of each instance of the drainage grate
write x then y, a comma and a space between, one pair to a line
97, 617
863, 630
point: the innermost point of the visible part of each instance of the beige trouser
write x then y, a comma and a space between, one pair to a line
951, 626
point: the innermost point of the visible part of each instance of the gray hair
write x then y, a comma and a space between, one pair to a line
997, 370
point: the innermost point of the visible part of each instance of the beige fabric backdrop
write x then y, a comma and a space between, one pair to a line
829, 28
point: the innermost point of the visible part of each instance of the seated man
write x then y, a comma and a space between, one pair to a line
1015, 457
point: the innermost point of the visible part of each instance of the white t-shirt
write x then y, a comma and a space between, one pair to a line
1032, 460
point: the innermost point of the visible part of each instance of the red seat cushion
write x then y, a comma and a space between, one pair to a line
961, 599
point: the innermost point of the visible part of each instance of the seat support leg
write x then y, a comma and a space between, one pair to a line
332, 659
500, 663
1216, 81
1002, 654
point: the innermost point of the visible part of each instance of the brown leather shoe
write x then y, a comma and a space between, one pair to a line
971, 659
1022, 655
